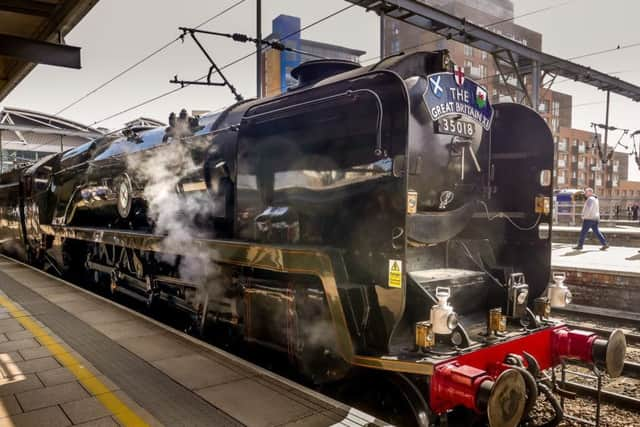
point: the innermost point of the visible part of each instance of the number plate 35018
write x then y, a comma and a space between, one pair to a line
452, 126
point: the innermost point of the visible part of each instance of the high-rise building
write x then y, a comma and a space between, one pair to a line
497, 16
277, 65
577, 162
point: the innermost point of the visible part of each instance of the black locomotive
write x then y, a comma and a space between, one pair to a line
383, 221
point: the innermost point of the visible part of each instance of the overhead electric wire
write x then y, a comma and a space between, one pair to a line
229, 64
243, 38
146, 58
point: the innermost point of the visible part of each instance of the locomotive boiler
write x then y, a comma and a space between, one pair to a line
383, 222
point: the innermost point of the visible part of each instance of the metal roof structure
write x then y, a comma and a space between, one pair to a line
25, 136
32, 32
523, 59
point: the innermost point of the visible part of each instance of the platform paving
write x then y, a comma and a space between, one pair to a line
620, 235
50, 372
616, 259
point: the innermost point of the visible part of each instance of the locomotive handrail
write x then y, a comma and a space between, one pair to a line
10, 185
380, 111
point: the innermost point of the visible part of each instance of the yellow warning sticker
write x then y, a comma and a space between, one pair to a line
395, 273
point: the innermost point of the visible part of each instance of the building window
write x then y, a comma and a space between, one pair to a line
468, 64
483, 71
395, 46
484, 55
556, 108
555, 124
468, 50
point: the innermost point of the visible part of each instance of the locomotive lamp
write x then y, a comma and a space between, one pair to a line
559, 295
443, 319
518, 292
496, 322
542, 307
424, 335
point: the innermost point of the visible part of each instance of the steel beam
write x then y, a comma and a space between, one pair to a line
535, 86
39, 52
28, 7
416, 13
259, 57
503, 76
49, 130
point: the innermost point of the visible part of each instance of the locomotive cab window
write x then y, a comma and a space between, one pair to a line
220, 186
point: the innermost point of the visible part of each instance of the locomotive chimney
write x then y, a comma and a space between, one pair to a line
311, 72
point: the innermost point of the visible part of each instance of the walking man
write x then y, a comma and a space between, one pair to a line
590, 220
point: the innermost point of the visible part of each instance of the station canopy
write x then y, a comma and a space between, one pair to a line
523, 59
32, 32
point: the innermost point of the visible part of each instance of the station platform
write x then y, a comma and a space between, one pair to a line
70, 357
609, 279
618, 235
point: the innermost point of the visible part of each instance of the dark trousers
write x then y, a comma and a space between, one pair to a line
592, 224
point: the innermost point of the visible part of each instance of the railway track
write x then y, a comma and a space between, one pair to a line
607, 396
620, 397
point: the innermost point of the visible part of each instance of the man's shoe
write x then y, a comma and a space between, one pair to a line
577, 248
604, 248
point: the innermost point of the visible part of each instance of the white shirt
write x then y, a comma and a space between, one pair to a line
591, 209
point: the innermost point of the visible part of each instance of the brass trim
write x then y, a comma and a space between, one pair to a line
314, 261
321, 262
411, 367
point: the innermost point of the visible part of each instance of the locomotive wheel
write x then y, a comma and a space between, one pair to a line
391, 397
124, 191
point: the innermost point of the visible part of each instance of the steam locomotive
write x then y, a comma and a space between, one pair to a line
383, 221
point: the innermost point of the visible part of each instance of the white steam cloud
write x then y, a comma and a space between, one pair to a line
174, 215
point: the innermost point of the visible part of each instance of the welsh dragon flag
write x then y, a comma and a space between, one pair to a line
481, 97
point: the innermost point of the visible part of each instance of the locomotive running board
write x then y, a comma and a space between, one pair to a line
324, 263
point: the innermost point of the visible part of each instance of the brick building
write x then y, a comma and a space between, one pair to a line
398, 37
627, 192
577, 163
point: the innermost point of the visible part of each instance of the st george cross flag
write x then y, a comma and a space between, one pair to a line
458, 73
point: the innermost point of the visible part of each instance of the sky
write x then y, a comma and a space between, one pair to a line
118, 33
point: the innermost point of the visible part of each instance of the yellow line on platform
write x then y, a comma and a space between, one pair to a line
110, 401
